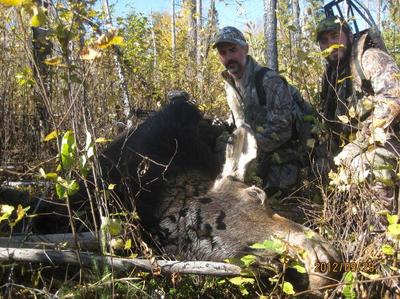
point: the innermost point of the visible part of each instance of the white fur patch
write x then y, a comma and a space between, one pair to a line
238, 155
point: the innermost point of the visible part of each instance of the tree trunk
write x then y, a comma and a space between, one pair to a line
378, 14
41, 50
122, 265
173, 29
192, 29
270, 24
120, 71
211, 27
199, 26
153, 38
296, 22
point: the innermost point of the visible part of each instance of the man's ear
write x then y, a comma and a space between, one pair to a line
246, 49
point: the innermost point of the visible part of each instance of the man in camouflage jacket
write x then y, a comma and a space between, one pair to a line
360, 104
272, 122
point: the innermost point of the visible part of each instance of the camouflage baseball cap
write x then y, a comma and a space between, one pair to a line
230, 35
331, 23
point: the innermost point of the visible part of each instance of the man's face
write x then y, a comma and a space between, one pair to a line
233, 57
333, 37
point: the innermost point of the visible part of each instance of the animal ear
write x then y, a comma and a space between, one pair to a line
256, 194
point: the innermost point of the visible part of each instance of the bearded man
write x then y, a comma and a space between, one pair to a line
360, 104
270, 117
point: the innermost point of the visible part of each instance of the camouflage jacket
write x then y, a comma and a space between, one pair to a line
271, 122
357, 108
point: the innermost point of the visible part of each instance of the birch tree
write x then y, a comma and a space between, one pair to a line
270, 24
199, 26
192, 28
173, 29
41, 50
296, 22
121, 75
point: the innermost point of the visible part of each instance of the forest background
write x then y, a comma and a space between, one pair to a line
77, 65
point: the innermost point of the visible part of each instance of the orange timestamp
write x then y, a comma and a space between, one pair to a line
337, 267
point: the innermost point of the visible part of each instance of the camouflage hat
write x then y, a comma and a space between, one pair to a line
332, 23
230, 35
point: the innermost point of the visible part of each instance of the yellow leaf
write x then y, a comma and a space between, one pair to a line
378, 135
117, 243
343, 118
378, 122
310, 142
15, 2
352, 112
111, 186
51, 176
39, 17
344, 79
89, 53
21, 212
367, 104
102, 140
52, 135
53, 61
328, 51
259, 129
5, 212
128, 244
370, 276
117, 40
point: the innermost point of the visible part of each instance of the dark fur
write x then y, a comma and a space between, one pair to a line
177, 205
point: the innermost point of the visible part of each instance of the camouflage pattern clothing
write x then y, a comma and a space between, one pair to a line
271, 122
365, 115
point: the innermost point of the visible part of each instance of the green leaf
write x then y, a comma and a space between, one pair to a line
239, 280
299, 267
83, 166
274, 245
248, 259
348, 290
68, 147
72, 188
66, 188
287, 288
111, 225
388, 249
60, 191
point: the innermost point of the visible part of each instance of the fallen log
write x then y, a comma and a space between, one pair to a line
87, 241
124, 265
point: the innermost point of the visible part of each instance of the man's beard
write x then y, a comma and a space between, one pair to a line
233, 67
340, 62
